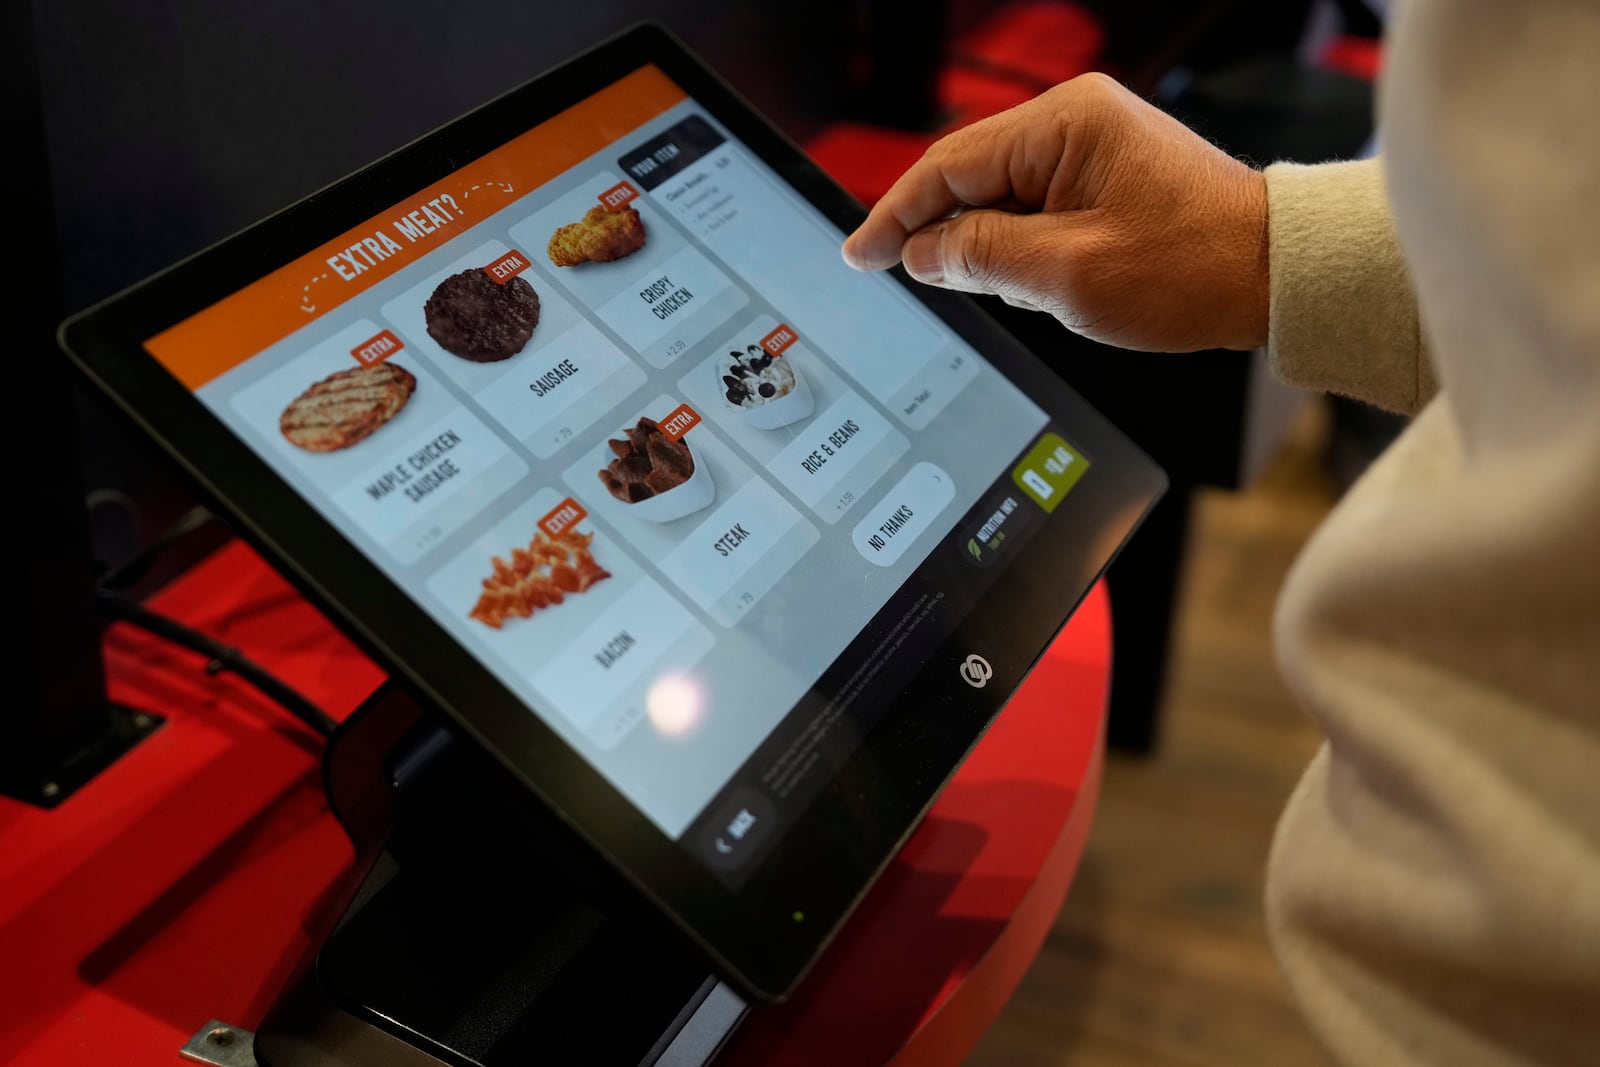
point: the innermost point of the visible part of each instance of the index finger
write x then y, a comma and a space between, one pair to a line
984, 164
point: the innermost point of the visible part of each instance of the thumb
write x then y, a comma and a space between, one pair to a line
985, 251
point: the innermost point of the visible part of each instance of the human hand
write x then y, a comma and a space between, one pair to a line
1090, 204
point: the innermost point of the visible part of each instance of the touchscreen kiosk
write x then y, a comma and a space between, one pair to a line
573, 416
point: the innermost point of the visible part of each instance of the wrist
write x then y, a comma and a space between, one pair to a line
1250, 302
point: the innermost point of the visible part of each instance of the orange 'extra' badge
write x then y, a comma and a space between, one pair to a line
376, 349
779, 339
507, 266
564, 516
617, 196
683, 419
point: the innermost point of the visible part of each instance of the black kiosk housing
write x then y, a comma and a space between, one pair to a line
478, 930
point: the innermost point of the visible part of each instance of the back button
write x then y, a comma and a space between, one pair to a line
743, 821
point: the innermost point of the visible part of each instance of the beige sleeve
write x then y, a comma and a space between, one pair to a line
1344, 318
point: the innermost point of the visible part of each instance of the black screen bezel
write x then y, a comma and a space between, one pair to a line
826, 860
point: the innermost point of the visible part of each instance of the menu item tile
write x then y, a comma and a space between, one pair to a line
725, 546
903, 514
624, 260
567, 615
822, 440
388, 445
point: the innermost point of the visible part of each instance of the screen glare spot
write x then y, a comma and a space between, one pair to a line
674, 704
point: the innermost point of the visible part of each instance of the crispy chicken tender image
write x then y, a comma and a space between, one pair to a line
601, 237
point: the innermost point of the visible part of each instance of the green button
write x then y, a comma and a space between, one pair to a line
1049, 471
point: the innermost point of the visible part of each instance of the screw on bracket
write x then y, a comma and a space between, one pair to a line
221, 1045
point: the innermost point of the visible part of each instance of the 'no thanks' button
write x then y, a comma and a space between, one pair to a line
903, 514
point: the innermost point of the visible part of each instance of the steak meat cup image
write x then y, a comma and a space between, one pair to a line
656, 477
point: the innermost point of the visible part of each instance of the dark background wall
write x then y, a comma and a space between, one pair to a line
173, 123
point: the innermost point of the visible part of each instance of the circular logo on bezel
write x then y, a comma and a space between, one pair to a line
976, 672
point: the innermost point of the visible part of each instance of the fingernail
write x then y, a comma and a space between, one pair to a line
852, 255
860, 254
921, 256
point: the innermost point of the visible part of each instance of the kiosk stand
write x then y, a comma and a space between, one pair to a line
480, 930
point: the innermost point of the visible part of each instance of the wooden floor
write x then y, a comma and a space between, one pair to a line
1159, 957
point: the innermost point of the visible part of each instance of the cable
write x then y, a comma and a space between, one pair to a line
222, 657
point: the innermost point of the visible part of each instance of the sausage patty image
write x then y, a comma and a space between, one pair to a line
477, 318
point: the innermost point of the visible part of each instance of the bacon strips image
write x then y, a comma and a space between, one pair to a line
537, 577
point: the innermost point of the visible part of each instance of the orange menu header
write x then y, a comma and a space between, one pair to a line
227, 333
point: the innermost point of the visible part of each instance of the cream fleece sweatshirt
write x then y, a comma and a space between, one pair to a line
1434, 887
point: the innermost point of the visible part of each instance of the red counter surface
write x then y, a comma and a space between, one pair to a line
178, 886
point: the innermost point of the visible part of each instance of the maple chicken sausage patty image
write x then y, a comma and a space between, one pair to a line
601, 237
346, 407
474, 317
